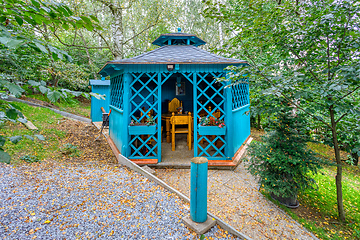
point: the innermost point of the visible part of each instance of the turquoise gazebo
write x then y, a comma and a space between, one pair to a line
142, 86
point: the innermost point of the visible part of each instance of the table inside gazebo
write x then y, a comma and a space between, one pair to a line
166, 117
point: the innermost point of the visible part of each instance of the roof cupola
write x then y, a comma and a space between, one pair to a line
178, 38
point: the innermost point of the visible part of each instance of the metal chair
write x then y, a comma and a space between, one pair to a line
178, 124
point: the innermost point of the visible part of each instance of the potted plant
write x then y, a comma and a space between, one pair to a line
211, 126
282, 161
138, 128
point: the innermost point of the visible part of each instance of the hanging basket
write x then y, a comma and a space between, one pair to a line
211, 130
142, 129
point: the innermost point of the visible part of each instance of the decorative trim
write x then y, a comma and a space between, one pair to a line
241, 108
116, 109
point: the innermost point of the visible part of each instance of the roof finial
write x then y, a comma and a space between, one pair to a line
179, 30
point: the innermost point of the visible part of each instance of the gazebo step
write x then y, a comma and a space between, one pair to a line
144, 161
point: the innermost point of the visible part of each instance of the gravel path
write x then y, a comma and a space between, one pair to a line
234, 197
77, 202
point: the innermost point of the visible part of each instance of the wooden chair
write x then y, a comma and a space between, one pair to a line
174, 105
217, 114
175, 128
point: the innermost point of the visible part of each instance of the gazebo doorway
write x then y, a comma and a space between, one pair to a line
178, 86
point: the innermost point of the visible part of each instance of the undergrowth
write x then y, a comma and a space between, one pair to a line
45, 120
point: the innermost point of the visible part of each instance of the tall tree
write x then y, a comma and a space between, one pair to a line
318, 47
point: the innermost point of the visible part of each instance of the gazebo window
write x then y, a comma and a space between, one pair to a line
117, 92
240, 93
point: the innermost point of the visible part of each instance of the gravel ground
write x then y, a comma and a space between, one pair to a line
41, 201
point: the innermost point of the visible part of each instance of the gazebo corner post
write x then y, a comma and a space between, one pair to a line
159, 118
126, 110
195, 114
229, 120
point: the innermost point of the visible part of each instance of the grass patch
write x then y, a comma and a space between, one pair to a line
318, 210
70, 104
45, 120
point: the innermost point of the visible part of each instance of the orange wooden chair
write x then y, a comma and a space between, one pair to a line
174, 105
178, 124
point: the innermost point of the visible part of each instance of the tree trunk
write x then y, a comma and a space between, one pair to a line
118, 34
339, 194
258, 121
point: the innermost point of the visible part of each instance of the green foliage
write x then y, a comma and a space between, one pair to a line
307, 53
55, 94
38, 13
72, 150
32, 142
324, 200
30, 158
283, 161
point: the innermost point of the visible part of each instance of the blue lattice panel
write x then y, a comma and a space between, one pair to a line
143, 103
212, 146
143, 146
211, 100
117, 92
240, 95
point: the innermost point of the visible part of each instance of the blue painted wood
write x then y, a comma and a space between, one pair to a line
198, 192
230, 122
126, 121
211, 94
159, 136
141, 68
100, 87
211, 130
143, 100
241, 128
116, 120
195, 113
138, 130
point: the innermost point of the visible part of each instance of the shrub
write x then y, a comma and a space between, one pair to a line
282, 161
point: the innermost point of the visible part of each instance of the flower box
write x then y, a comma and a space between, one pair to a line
211, 130
142, 129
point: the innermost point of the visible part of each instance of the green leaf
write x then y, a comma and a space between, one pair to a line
14, 89
41, 47
65, 26
19, 20
86, 20
2, 141
33, 83
89, 27
54, 96
40, 137
14, 43
43, 89
22, 120
29, 137
15, 139
12, 113
4, 157
76, 94
98, 96
94, 18
2, 19
35, 3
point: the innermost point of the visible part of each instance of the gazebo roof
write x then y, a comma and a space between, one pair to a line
176, 48
180, 54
